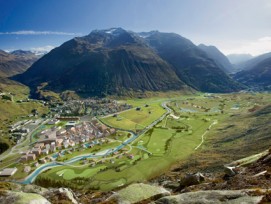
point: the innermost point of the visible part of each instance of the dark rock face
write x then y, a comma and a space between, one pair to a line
220, 59
192, 65
116, 61
102, 63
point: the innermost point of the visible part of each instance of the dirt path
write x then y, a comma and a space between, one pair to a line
202, 136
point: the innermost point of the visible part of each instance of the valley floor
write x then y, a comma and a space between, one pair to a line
199, 131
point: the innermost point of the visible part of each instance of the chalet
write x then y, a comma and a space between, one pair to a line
47, 146
8, 172
39, 145
36, 151
23, 158
45, 151
25, 152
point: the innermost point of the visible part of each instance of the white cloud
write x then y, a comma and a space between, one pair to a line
32, 32
42, 50
255, 47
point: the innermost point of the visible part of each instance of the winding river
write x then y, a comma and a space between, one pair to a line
31, 177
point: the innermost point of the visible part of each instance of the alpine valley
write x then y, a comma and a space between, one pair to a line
118, 116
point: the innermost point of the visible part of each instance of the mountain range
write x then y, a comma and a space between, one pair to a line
15, 62
219, 58
116, 61
257, 76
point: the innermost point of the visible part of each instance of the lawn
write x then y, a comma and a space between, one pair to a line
136, 119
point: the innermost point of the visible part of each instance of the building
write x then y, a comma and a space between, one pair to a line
36, 151
39, 145
70, 124
43, 161
8, 172
53, 122
24, 158
45, 151
27, 169
31, 157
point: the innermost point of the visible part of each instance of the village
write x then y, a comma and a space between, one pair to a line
56, 141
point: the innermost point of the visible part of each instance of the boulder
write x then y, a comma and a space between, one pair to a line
61, 194
211, 197
22, 198
230, 170
191, 179
138, 192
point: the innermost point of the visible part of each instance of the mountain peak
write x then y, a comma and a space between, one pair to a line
112, 31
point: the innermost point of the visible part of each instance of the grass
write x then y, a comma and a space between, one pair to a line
174, 140
137, 119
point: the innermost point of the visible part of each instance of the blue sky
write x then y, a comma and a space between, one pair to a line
234, 26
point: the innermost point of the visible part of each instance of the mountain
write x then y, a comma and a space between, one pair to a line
112, 61
116, 61
257, 76
16, 62
191, 64
220, 59
239, 58
250, 64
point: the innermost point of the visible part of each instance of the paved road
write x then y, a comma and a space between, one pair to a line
30, 178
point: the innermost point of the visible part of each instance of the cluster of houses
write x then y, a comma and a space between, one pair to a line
56, 139
92, 107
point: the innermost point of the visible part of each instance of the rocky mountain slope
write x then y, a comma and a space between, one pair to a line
244, 181
16, 62
251, 63
191, 64
116, 61
219, 58
101, 63
258, 76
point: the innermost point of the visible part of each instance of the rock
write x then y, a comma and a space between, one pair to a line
34, 189
211, 197
138, 192
61, 194
191, 179
172, 185
22, 198
230, 171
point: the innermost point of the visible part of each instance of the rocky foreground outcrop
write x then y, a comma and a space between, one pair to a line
246, 181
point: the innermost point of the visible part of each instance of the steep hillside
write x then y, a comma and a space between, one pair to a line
220, 59
192, 65
16, 62
251, 63
104, 62
258, 76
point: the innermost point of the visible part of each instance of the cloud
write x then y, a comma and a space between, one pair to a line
32, 32
42, 50
255, 47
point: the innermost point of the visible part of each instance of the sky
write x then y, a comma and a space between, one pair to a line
233, 26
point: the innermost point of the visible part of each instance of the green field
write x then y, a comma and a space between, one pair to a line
137, 119
173, 140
